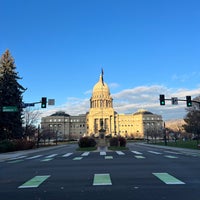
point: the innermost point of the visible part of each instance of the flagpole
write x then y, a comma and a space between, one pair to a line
102, 123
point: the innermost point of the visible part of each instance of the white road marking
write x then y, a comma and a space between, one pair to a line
137, 152
155, 152
120, 153
102, 153
85, 153
67, 154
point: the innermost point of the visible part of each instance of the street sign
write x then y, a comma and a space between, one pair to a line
10, 109
25, 105
174, 101
51, 102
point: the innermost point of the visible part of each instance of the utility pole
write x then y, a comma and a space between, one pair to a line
165, 135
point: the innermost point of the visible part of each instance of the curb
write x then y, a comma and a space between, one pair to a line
15, 154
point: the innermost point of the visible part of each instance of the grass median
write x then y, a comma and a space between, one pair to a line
190, 144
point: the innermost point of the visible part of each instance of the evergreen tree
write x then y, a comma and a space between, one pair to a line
10, 95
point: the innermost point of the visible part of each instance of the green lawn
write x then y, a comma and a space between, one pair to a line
182, 144
86, 149
114, 148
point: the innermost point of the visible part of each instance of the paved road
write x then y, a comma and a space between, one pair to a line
142, 172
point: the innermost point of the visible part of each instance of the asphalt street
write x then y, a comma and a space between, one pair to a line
140, 173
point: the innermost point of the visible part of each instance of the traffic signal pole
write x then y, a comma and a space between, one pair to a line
43, 103
175, 100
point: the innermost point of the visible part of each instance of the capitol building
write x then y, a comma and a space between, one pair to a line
102, 115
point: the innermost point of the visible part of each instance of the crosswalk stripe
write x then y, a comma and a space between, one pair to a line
169, 156
102, 179
168, 179
85, 153
33, 157
155, 152
34, 182
137, 152
47, 159
102, 153
20, 157
172, 152
77, 158
139, 157
67, 154
108, 157
15, 161
17, 158
52, 155
120, 153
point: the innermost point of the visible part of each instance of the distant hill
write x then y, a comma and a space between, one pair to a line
175, 125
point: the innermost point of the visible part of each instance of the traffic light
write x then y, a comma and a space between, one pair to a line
44, 102
188, 101
162, 99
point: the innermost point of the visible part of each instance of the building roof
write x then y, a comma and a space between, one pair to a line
143, 112
60, 113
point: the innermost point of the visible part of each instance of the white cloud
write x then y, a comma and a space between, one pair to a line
185, 77
113, 85
130, 100
88, 92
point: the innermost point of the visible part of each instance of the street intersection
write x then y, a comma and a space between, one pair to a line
142, 172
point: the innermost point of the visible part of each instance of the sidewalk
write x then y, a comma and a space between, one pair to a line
15, 154
181, 150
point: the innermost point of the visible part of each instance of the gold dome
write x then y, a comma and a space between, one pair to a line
101, 86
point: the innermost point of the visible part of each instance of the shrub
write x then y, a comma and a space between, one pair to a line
87, 142
115, 141
122, 141
6, 145
15, 145
23, 144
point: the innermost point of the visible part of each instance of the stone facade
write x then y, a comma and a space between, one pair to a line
102, 116
101, 113
65, 126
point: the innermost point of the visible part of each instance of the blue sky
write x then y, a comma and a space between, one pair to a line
146, 47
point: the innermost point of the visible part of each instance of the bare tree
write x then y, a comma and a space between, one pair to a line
31, 119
